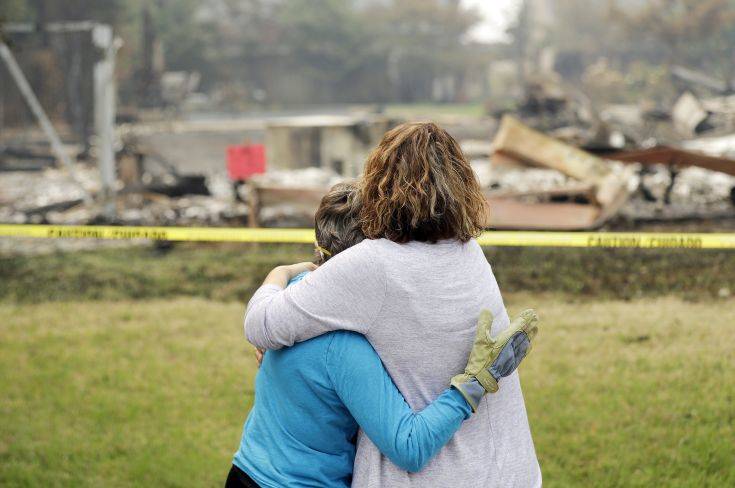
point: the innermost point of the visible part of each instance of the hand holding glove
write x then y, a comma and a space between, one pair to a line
495, 358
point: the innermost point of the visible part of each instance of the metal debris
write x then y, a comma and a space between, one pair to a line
689, 115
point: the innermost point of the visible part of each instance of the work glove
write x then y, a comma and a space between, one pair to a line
495, 358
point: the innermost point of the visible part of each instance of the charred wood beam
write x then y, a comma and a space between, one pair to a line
675, 156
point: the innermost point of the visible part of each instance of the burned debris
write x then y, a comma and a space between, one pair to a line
567, 179
557, 160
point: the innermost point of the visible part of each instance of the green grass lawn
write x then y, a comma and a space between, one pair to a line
232, 272
154, 393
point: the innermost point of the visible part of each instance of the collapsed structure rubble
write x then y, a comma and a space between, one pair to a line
561, 165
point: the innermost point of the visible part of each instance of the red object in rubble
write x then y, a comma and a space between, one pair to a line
244, 161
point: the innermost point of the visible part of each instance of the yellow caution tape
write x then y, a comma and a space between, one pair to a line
645, 240
210, 234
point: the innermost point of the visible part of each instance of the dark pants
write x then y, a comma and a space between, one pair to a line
239, 479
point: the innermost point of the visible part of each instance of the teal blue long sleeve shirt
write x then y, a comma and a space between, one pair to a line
312, 398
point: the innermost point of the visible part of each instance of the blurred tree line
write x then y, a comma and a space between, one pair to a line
622, 50
321, 51
280, 51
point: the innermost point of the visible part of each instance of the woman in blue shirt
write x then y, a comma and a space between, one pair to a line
312, 398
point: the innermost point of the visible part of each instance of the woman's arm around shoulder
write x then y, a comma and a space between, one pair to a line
407, 438
347, 292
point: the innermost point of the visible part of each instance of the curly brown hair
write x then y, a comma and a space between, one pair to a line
419, 186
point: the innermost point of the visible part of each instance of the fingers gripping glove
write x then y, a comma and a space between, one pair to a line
495, 358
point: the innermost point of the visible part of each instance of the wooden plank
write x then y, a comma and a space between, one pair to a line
506, 213
506, 161
307, 200
521, 142
571, 190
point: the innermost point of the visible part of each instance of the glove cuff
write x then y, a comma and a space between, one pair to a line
471, 390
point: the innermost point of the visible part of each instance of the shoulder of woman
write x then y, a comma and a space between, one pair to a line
360, 265
475, 248
366, 252
473, 244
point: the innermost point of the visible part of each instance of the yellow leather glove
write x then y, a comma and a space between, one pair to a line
495, 358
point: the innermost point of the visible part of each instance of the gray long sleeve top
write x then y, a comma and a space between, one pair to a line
417, 304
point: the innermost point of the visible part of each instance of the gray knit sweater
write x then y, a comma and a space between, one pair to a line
417, 304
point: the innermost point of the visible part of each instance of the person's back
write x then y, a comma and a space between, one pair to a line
414, 288
426, 324
310, 398
417, 304
273, 425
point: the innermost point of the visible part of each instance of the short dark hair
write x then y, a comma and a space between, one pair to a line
337, 223
418, 186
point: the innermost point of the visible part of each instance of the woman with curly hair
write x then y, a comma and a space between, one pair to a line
414, 288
